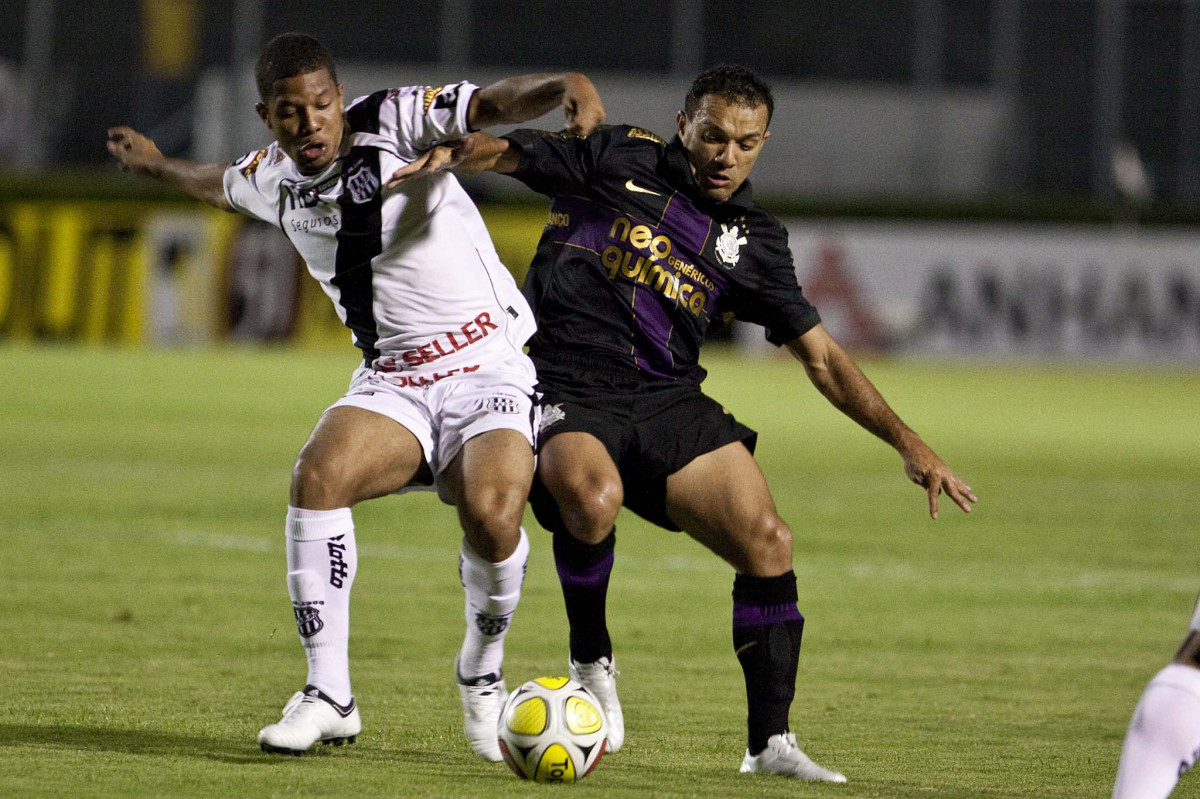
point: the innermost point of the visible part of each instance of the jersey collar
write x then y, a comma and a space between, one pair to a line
679, 172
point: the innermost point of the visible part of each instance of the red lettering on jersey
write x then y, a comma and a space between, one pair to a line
442, 346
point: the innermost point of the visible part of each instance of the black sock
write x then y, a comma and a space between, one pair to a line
767, 628
583, 571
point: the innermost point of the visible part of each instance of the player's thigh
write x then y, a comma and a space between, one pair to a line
354, 454
491, 473
488, 483
579, 472
721, 499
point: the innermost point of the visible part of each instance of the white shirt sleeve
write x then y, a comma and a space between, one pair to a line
427, 115
244, 189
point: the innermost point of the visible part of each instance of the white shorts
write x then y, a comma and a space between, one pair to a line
445, 410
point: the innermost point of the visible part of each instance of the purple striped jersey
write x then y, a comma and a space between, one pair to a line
636, 265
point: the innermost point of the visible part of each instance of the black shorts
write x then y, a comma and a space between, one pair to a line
651, 428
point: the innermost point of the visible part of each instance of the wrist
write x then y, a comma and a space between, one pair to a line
906, 441
154, 166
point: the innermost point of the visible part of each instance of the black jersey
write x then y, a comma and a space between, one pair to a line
636, 263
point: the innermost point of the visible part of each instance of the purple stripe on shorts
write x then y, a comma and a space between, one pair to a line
590, 576
748, 615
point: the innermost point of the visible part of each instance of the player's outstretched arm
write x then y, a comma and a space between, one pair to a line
135, 153
524, 97
838, 378
479, 152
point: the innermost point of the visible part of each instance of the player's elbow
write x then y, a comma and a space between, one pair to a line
484, 111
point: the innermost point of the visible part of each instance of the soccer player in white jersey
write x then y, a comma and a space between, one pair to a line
443, 397
1163, 740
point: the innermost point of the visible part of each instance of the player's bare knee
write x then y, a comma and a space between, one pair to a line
318, 484
590, 507
597, 498
770, 545
494, 510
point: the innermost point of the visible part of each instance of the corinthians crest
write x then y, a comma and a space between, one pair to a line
550, 414
361, 182
729, 245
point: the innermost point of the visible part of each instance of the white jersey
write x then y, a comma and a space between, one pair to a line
411, 271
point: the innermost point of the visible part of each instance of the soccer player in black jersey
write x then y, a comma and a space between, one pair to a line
649, 243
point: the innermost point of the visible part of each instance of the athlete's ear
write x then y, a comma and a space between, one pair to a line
680, 123
263, 113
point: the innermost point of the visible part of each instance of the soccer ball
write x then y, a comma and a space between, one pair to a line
552, 730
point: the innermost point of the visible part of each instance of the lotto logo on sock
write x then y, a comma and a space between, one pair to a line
308, 619
337, 563
491, 625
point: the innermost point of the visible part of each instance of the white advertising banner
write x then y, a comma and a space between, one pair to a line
1008, 291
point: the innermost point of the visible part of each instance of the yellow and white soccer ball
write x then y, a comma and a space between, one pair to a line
552, 730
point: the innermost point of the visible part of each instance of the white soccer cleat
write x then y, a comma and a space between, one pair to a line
308, 717
784, 758
483, 700
601, 679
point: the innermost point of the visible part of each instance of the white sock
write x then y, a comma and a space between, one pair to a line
493, 591
321, 561
1164, 736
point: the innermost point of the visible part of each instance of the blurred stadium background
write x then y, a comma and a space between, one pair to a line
996, 203
1014, 178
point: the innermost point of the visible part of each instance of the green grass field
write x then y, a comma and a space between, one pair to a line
146, 634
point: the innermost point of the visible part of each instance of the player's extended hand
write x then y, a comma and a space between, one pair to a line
446, 155
581, 103
925, 468
133, 151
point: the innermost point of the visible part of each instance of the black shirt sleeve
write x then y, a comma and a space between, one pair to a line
776, 301
557, 163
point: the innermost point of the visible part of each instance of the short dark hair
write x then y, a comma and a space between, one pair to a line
732, 83
289, 55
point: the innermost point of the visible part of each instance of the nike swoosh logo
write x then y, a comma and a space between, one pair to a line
629, 184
